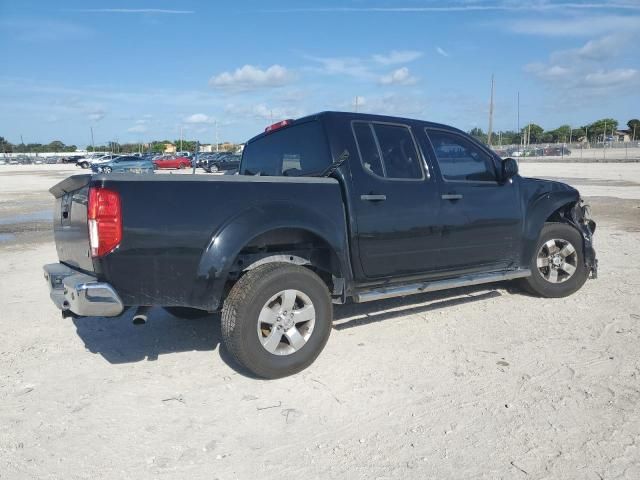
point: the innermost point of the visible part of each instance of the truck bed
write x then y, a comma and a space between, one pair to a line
172, 248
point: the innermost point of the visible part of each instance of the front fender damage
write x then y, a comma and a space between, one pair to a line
579, 215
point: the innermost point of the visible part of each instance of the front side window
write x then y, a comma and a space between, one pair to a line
293, 151
388, 150
461, 160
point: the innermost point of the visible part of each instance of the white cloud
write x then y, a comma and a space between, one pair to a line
440, 51
264, 112
395, 104
351, 66
472, 6
366, 68
576, 26
134, 10
198, 118
140, 128
611, 78
401, 76
96, 115
249, 77
589, 69
397, 56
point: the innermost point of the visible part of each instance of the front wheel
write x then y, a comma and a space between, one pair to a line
106, 169
557, 268
277, 319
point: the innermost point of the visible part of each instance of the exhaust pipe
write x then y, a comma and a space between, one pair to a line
140, 317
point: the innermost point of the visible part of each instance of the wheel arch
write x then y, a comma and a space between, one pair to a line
295, 235
560, 207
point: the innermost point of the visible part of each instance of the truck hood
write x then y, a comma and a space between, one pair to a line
537, 186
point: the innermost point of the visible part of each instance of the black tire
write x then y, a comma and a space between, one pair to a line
186, 312
537, 284
242, 308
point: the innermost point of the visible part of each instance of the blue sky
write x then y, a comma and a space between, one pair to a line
140, 70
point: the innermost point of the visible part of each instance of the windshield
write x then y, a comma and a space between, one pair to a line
293, 151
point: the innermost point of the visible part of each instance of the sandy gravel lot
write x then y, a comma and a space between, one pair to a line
483, 382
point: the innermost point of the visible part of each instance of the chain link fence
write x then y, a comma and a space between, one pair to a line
573, 152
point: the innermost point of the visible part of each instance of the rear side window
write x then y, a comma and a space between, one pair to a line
293, 151
388, 150
461, 160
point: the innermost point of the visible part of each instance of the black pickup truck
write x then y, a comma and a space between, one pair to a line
333, 207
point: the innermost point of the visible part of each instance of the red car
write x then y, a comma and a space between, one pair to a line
172, 162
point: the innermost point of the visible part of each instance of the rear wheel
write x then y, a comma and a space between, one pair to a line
277, 319
106, 169
182, 166
557, 266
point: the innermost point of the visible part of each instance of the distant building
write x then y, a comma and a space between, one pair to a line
169, 148
622, 136
206, 148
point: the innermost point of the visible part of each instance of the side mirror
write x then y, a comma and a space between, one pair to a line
509, 169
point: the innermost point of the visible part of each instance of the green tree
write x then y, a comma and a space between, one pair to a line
56, 146
5, 146
634, 128
597, 129
478, 134
533, 132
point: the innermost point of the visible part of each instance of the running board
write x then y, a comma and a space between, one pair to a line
414, 288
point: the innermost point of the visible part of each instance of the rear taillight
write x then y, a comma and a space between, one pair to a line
278, 125
105, 221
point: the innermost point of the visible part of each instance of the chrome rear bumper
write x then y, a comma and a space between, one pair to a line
81, 294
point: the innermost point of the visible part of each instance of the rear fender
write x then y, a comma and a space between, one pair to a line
226, 244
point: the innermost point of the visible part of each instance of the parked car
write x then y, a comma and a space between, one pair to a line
326, 209
72, 158
557, 151
124, 164
97, 160
222, 163
172, 162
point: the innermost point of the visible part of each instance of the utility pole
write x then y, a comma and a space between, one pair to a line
570, 132
490, 114
217, 141
93, 146
180, 138
519, 132
634, 132
356, 103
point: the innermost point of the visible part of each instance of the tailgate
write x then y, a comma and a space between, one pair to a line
70, 222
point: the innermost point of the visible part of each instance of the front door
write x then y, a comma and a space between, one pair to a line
396, 202
481, 217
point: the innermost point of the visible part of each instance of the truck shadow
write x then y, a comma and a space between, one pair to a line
118, 341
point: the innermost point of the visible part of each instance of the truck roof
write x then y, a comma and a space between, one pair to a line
329, 114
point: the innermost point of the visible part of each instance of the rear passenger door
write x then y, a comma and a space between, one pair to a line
480, 216
395, 200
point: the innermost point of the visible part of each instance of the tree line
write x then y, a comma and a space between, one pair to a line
55, 146
597, 131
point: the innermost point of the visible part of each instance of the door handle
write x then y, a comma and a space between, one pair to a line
373, 198
451, 196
